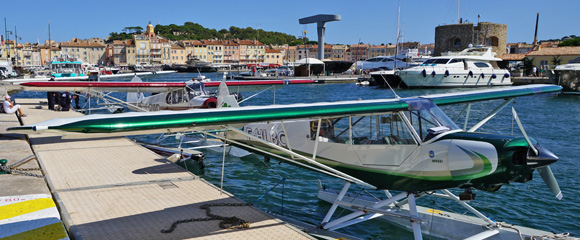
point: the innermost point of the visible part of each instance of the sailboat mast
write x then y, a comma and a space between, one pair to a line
397, 38
458, 20
49, 44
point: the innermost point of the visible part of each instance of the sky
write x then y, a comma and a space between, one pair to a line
371, 22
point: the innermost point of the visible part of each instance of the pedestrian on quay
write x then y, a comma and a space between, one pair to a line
9, 106
534, 70
64, 101
51, 96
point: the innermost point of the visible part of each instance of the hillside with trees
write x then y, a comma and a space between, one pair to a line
195, 31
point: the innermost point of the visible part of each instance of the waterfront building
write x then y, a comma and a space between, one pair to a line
456, 37
313, 51
87, 52
519, 48
214, 51
8, 52
195, 48
131, 52
178, 54
165, 51
251, 51
274, 56
28, 55
338, 52
231, 52
544, 56
375, 51
143, 49
48, 51
292, 54
359, 52
118, 53
348, 55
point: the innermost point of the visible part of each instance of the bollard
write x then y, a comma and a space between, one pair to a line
3, 164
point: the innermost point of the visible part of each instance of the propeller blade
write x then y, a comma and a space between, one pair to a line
550, 180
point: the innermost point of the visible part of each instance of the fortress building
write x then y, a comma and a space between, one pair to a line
456, 37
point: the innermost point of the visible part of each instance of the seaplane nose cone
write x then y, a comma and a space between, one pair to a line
545, 157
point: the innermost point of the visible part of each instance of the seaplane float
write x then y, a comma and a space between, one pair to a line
407, 147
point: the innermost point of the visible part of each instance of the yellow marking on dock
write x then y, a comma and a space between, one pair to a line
51, 231
434, 211
20, 208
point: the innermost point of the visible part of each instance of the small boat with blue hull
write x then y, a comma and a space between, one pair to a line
67, 68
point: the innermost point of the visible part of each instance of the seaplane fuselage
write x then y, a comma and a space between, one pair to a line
415, 150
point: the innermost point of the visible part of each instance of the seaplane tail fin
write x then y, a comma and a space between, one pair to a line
224, 98
135, 97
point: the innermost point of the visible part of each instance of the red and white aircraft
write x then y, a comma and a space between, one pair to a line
165, 95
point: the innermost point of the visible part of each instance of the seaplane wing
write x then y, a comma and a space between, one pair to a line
257, 85
165, 121
151, 87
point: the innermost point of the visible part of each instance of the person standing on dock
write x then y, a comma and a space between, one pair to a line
9, 106
51, 97
534, 71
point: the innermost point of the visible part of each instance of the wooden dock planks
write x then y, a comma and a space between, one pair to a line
114, 188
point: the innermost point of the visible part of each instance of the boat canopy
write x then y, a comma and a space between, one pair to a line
308, 61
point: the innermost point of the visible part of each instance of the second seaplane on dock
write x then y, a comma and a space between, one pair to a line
406, 145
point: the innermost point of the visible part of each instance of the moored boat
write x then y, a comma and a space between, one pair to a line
472, 67
568, 75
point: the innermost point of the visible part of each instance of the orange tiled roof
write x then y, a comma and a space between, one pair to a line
272, 51
81, 44
555, 51
512, 57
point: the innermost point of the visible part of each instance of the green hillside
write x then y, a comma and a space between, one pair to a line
194, 31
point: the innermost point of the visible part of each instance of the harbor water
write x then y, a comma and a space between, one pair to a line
284, 189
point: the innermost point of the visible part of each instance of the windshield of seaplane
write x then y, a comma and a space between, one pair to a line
427, 119
197, 87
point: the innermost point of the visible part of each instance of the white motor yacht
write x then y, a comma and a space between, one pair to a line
472, 67
568, 75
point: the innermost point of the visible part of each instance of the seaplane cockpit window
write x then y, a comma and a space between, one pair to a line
177, 96
427, 119
386, 129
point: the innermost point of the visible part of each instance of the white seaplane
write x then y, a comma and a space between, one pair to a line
165, 95
403, 144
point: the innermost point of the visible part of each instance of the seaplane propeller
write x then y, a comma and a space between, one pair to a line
540, 158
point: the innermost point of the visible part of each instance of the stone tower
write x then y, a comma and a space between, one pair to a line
456, 37
150, 30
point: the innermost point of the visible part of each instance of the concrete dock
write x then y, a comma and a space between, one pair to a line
113, 188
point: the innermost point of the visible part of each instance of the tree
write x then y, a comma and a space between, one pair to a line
556, 60
528, 65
